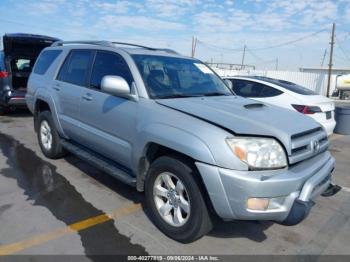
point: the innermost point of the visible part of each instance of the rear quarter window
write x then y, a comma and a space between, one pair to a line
296, 88
45, 60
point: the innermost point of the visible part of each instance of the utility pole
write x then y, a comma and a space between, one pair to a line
276, 63
243, 56
330, 60
194, 45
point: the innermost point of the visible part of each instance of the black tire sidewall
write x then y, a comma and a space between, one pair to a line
191, 229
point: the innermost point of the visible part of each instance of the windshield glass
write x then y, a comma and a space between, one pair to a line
171, 77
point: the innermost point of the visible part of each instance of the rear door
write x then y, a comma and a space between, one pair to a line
108, 122
26, 44
71, 81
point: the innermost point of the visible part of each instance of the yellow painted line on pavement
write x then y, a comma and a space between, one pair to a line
76, 227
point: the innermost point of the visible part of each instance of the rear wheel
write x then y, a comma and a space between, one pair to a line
175, 200
48, 137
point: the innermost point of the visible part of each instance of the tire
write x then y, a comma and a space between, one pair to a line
53, 148
197, 221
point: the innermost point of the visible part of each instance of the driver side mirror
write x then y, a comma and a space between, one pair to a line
116, 85
228, 83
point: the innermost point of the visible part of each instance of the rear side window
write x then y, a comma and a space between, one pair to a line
253, 89
76, 67
45, 60
109, 64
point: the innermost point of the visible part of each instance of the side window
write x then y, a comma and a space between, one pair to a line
109, 64
45, 60
269, 91
252, 89
243, 88
76, 67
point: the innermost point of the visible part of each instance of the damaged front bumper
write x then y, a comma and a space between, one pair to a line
290, 191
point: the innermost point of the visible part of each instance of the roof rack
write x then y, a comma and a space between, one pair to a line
88, 42
112, 44
135, 45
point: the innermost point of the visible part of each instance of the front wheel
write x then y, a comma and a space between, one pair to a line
174, 198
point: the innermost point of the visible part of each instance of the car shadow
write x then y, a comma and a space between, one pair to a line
18, 113
106, 180
253, 230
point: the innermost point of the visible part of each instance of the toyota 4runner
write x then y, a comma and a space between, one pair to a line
168, 125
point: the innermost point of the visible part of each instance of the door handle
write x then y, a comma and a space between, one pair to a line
57, 87
87, 97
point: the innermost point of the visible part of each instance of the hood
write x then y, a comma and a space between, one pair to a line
244, 116
26, 44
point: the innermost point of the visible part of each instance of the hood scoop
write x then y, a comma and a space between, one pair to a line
254, 105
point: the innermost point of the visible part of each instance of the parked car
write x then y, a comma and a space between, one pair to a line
288, 95
168, 125
16, 61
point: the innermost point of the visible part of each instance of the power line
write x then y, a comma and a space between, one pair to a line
218, 47
255, 55
290, 42
211, 46
343, 50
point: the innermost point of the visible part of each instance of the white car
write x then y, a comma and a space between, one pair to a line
288, 95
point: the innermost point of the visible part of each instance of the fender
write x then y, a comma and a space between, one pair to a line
172, 137
42, 94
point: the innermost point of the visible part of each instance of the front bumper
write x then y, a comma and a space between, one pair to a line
329, 126
229, 190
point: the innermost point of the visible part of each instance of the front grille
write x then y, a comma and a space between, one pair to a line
307, 144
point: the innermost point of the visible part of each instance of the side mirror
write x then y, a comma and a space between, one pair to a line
228, 83
115, 85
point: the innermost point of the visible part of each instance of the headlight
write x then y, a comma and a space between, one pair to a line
259, 153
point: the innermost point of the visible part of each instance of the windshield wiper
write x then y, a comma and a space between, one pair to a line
216, 94
177, 96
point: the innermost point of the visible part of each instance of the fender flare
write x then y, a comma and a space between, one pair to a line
171, 137
44, 96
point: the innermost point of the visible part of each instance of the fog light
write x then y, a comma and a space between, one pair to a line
258, 203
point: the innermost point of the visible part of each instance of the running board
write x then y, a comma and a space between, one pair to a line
99, 162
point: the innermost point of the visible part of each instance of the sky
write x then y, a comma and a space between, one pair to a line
222, 28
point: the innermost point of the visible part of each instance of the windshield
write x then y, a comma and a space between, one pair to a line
171, 77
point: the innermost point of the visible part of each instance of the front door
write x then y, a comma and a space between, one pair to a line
108, 122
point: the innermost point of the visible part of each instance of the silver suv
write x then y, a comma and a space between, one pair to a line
168, 125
